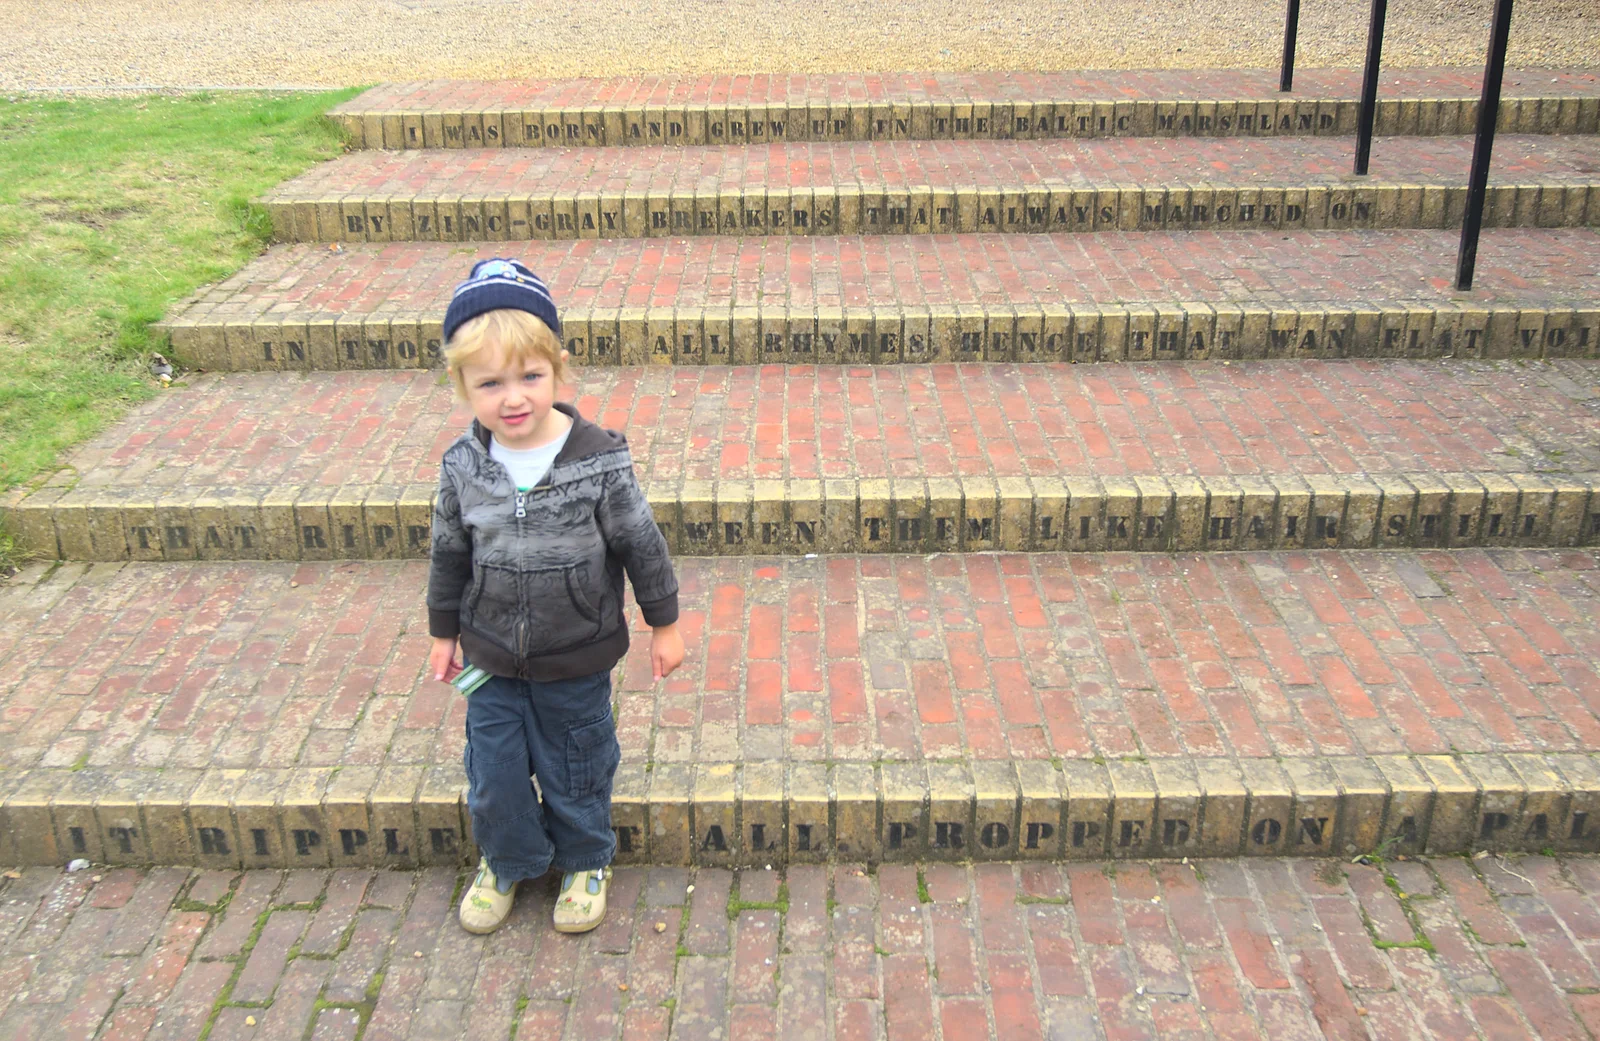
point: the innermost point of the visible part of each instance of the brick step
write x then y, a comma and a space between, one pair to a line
899, 187
915, 298
953, 105
271, 714
911, 459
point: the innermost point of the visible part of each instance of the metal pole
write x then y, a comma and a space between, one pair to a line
1291, 27
1369, 84
1488, 111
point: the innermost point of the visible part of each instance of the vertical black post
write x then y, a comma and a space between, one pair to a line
1488, 110
1369, 84
1291, 28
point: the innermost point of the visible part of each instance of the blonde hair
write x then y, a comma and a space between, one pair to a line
513, 335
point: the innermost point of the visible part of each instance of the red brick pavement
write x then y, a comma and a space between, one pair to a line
412, 281
1440, 949
470, 95
973, 656
1203, 418
1018, 166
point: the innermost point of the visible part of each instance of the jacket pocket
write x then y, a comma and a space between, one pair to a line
491, 608
562, 613
592, 756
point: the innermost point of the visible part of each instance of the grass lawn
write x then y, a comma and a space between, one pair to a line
111, 210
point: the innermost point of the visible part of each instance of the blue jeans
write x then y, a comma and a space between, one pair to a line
562, 733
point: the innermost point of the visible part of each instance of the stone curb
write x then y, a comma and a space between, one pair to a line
888, 515
731, 814
745, 335
867, 210
497, 126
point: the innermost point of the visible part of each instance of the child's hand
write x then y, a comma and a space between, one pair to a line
442, 664
666, 650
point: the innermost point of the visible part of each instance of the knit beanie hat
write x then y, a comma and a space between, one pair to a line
500, 283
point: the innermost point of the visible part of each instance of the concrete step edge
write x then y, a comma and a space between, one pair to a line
753, 814
890, 515
897, 333
625, 125
1290, 204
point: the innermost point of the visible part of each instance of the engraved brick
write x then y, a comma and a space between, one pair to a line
714, 815
1133, 808
1313, 831
996, 830
350, 837
980, 529
299, 810
904, 834
441, 811
1178, 802
77, 832
951, 835
254, 804
910, 526
1397, 523
1270, 808
1405, 824
1452, 823
696, 517
1088, 809
761, 815
1050, 528
1223, 521
1499, 822
735, 519
1501, 497
1580, 776
1041, 809
630, 814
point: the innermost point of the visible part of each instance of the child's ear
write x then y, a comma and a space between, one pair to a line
564, 355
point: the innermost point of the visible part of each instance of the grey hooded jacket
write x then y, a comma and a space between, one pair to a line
539, 595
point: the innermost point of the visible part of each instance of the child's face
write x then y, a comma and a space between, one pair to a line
512, 400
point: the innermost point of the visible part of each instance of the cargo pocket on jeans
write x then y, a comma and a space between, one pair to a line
592, 756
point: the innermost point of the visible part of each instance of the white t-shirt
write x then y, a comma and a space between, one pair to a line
527, 466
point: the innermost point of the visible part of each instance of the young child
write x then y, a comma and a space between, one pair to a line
537, 518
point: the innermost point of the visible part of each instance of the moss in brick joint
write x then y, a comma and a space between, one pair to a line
223, 999
922, 889
736, 903
1420, 936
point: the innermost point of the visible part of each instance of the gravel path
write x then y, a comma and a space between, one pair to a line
71, 44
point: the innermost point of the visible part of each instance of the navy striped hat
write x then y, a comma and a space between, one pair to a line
500, 283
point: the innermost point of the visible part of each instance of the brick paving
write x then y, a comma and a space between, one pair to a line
1437, 948
903, 165
377, 428
412, 281
961, 656
951, 87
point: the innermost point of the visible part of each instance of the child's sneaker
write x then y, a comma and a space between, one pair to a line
484, 907
582, 902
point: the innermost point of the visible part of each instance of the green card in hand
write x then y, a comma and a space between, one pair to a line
470, 679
